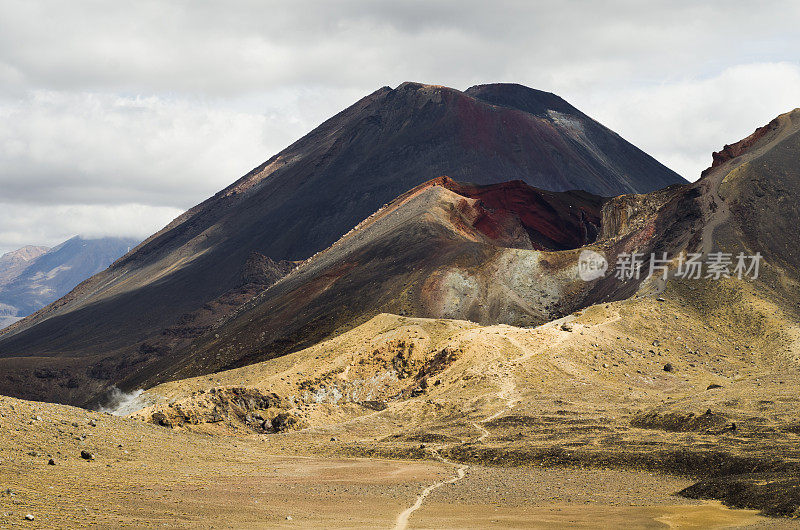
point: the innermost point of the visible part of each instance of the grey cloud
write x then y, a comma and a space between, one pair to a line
234, 47
20, 224
115, 107
59, 147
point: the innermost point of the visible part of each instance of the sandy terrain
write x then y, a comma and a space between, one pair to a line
148, 476
576, 422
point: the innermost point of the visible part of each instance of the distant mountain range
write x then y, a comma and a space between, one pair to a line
13, 263
33, 277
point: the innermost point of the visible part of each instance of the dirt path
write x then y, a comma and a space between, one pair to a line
461, 472
506, 393
720, 214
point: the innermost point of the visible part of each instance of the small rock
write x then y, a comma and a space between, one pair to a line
86, 455
605, 365
567, 326
669, 368
659, 299
29, 517
38, 418
289, 518
334, 439
92, 423
51, 462
713, 385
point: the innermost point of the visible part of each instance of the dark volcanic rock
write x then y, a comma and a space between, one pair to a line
682, 422
774, 494
264, 271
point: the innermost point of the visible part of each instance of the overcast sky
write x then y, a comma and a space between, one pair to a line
117, 116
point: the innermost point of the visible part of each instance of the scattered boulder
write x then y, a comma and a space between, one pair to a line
160, 418
416, 392
713, 386
51, 462
86, 455
669, 368
29, 517
567, 326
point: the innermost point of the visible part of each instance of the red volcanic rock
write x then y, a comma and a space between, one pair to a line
553, 220
739, 148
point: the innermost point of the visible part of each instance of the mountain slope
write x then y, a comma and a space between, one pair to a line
303, 199
407, 257
443, 249
415, 257
692, 376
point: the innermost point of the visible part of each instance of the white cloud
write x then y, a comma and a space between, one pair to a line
123, 106
93, 148
50, 225
237, 47
682, 123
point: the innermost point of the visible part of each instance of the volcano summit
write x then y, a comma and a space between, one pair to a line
186, 278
